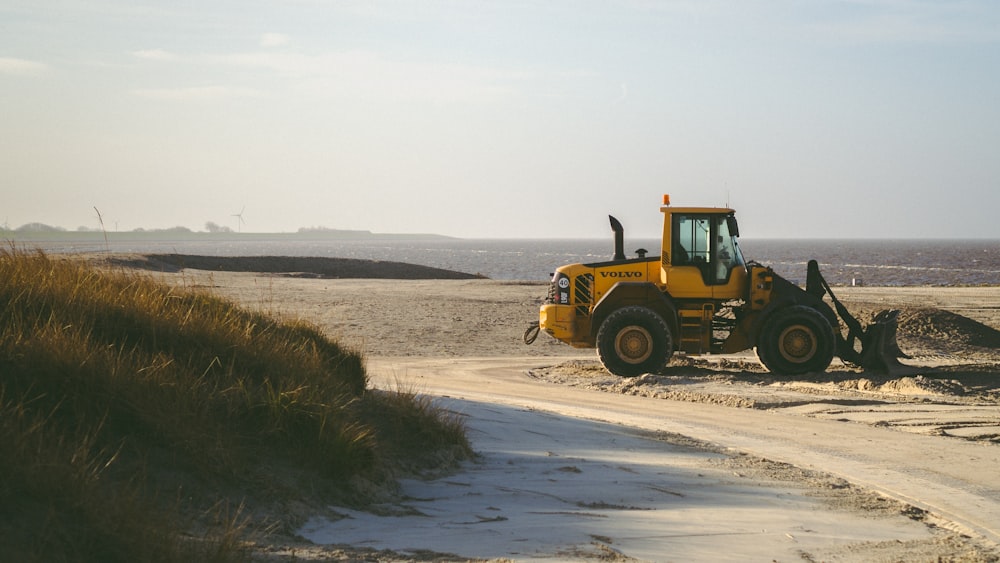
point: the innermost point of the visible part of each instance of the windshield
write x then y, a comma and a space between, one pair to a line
729, 249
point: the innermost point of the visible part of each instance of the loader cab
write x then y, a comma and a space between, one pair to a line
701, 254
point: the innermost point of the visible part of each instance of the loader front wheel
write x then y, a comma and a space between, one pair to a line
634, 340
796, 340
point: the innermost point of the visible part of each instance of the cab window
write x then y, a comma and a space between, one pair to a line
705, 242
691, 236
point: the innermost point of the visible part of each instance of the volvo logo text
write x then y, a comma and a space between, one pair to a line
621, 274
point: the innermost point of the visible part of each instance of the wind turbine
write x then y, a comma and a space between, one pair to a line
240, 221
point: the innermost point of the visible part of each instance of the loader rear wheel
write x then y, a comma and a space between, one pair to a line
634, 340
796, 340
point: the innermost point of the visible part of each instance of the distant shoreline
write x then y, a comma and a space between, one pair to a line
182, 234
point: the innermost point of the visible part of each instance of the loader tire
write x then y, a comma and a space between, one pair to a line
634, 340
796, 340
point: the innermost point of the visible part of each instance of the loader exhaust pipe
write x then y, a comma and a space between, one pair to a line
616, 226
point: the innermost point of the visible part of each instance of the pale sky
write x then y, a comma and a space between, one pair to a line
813, 118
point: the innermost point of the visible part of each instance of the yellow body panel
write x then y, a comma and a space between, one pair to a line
559, 321
760, 287
735, 288
685, 282
634, 271
697, 210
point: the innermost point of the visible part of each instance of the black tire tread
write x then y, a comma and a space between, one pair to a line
767, 345
634, 315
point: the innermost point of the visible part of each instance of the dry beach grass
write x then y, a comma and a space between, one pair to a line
139, 421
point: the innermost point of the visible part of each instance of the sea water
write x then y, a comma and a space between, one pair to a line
902, 262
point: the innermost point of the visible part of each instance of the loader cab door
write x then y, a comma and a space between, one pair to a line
706, 261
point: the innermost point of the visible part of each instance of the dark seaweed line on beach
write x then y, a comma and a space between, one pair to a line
296, 266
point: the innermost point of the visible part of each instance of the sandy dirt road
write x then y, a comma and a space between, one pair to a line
955, 480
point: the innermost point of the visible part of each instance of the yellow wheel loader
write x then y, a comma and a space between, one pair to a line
699, 296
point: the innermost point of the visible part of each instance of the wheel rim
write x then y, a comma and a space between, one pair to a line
634, 344
797, 343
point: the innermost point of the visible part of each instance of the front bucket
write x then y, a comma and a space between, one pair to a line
879, 350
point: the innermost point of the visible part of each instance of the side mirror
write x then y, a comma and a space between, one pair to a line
734, 227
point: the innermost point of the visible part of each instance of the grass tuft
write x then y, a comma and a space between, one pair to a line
127, 405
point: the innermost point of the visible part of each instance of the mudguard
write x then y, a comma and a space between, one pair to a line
786, 294
634, 293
